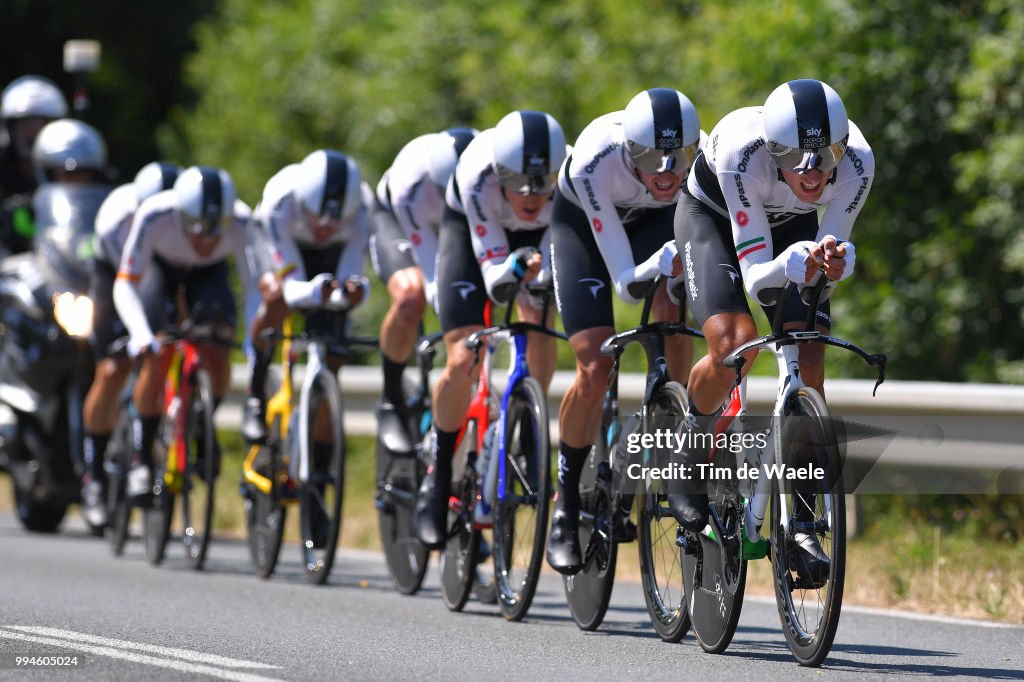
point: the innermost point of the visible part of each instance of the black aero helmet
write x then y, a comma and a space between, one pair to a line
206, 198
805, 126
529, 147
327, 185
662, 131
446, 148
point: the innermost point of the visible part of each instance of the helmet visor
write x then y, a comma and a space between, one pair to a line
526, 184
805, 160
653, 161
201, 226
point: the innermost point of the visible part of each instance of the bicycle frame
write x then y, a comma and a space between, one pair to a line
516, 334
177, 389
786, 349
279, 408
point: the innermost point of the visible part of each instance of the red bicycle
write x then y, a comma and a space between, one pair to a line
185, 455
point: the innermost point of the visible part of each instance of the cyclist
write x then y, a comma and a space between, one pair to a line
748, 223
99, 411
406, 216
308, 250
499, 208
180, 239
26, 105
612, 228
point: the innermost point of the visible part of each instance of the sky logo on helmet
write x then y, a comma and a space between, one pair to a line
668, 139
536, 165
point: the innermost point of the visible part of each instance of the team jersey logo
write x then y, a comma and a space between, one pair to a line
742, 218
598, 226
593, 284
464, 288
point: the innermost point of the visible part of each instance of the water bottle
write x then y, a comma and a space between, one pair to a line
487, 468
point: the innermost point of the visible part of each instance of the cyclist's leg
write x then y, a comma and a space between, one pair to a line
393, 261
584, 296
159, 295
461, 299
647, 234
99, 411
715, 294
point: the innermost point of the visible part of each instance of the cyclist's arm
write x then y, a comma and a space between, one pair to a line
490, 244
136, 258
843, 209
353, 258
610, 236
422, 237
752, 237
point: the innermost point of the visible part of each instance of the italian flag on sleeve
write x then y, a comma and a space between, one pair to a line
750, 246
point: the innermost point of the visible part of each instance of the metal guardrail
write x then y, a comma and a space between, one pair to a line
944, 425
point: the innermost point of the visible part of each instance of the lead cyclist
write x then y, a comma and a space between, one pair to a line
747, 223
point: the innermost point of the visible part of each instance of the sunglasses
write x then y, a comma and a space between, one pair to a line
653, 161
805, 160
522, 183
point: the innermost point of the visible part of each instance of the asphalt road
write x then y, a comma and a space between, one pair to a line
65, 595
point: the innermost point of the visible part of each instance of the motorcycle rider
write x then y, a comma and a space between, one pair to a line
27, 104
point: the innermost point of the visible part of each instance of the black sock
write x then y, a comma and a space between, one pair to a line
444, 450
393, 381
94, 447
570, 464
260, 365
145, 429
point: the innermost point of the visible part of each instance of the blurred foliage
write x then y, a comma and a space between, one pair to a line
935, 87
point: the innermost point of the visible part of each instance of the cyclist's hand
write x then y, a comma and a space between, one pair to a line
525, 263
532, 267
839, 258
270, 287
668, 260
141, 347
354, 291
803, 260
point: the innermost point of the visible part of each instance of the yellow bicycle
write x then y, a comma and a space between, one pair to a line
287, 468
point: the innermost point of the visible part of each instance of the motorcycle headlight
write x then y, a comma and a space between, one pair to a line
73, 314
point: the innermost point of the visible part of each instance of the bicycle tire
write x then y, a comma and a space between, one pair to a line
661, 568
458, 558
527, 468
119, 457
156, 519
266, 514
398, 482
589, 592
809, 421
198, 487
320, 497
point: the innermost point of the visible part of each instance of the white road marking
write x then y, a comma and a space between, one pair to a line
195, 663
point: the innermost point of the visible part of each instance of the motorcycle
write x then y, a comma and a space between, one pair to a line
46, 365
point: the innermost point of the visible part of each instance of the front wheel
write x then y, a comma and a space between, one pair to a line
201, 470
809, 595
661, 567
156, 520
521, 508
320, 495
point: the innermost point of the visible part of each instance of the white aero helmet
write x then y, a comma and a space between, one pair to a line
327, 185
69, 145
206, 199
32, 96
445, 151
529, 148
662, 131
154, 177
805, 126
